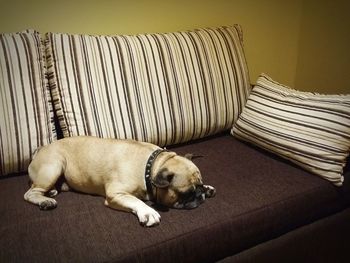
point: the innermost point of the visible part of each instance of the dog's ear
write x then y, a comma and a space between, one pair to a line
163, 178
191, 156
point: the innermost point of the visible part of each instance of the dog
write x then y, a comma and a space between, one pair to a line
125, 172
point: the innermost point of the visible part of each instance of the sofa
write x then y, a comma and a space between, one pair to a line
276, 156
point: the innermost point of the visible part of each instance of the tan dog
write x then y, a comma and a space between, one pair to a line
124, 171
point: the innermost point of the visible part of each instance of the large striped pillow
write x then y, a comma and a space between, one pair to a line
25, 103
161, 88
309, 129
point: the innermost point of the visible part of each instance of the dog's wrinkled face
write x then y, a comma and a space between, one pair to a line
179, 184
191, 198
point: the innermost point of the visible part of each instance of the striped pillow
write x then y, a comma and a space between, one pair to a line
161, 88
25, 103
309, 129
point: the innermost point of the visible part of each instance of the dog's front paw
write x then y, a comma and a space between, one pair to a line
148, 216
209, 191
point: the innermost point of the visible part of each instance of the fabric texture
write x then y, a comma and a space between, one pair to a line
160, 88
325, 241
26, 118
311, 130
259, 197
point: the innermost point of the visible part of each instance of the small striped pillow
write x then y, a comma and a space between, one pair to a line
25, 103
309, 129
160, 88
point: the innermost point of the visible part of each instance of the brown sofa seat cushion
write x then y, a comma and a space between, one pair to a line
259, 197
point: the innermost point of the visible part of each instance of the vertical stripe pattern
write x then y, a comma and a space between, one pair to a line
160, 88
26, 118
311, 130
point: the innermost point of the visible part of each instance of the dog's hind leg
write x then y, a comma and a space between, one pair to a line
35, 195
61, 186
52, 193
44, 177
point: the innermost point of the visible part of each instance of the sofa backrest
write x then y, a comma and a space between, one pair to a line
160, 88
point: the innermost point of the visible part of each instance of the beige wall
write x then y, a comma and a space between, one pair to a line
274, 31
324, 47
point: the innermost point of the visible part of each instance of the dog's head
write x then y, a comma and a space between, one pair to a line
179, 184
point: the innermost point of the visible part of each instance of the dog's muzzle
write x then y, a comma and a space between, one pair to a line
191, 199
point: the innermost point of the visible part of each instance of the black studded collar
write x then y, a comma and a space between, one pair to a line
148, 170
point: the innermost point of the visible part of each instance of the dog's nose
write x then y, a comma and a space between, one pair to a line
210, 192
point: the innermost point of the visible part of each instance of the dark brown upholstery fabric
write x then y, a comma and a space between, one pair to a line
324, 241
259, 197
